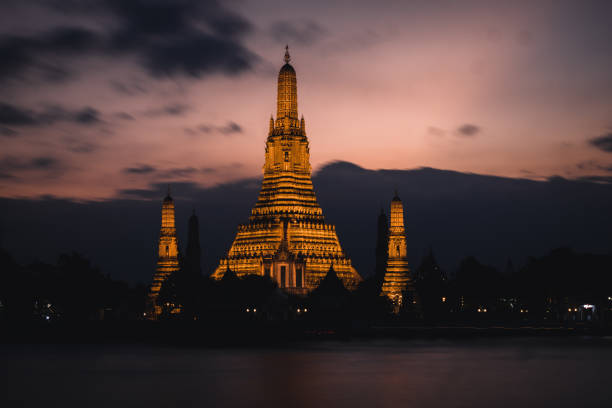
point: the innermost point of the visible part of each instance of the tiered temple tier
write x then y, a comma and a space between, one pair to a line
396, 279
165, 267
313, 243
287, 192
303, 238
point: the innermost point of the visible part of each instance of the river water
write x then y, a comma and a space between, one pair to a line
509, 372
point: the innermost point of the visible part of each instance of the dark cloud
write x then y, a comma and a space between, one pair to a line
171, 173
196, 54
138, 193
175, 109
597, 179
184, 172
19, 53
593, 165
179, 190
44, 162
167, 37
178, 172
603, 142
228, 129
468, 130
18, 116
297, 32
6, 132
83, 148
10, 165
128, 88
87, 116
12, 115
206, 128
140, 169
124, 116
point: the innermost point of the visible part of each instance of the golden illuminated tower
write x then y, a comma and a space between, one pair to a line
167, 255
286, 237
397, 283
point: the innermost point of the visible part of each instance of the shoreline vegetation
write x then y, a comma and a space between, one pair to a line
564, 293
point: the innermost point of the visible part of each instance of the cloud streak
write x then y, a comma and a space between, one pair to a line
12, 115
297, 32
603, 142
230, 128
11, 166
468, 130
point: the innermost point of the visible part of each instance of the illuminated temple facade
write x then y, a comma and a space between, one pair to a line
167, 255
397, 284
286, 237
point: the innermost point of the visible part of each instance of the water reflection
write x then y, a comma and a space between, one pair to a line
471, 373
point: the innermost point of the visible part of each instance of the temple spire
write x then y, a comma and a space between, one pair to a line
287, 56
167, 255
397, 284
287, 90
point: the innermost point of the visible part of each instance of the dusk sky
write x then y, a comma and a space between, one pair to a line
100, 97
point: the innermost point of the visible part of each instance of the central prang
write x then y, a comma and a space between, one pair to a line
286, 237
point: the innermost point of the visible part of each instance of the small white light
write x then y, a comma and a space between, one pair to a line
248, 310
478, 310
299, 310
305, 309
47, 317
254, 310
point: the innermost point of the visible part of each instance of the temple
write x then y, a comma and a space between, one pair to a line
286, 237
397, 285
167, 255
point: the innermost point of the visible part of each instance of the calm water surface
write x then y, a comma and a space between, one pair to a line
535, 372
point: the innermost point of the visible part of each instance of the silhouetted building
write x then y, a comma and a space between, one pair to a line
382, 246
167, 255
397, 284
330, 296
193, 254
429, 269
287, 238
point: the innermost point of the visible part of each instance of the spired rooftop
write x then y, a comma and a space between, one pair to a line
287, 238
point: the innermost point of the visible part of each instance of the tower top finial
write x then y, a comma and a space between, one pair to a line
168, 190
287, 56
396, 197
